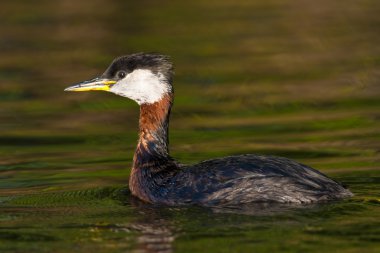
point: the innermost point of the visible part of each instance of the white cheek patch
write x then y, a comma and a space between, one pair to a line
142, 86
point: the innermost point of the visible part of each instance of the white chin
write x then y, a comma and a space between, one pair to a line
142, 86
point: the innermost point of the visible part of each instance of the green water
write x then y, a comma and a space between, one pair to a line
299, 79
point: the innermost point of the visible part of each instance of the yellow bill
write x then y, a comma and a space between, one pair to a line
94, 84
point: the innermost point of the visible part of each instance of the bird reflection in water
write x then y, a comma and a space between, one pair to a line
157, 230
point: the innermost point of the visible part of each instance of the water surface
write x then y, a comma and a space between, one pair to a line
287, 78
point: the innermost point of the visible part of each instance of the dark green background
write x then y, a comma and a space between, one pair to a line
299, 79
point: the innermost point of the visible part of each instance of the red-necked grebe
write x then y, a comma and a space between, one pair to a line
157, 178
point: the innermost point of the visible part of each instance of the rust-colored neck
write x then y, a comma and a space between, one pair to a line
154, 123
152, 165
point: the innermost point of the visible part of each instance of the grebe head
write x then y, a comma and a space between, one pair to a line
144, 78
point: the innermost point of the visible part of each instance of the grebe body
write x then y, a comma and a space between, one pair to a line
157, 178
